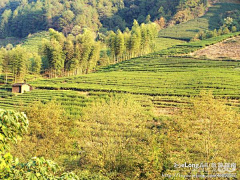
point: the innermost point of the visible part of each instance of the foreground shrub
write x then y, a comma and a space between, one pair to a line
12, 126
206, 133
47, 131
114, 140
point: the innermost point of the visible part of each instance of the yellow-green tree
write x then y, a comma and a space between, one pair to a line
119, 46
36, 64
12, 126
44, 137
115, 140
18, 63
207, 132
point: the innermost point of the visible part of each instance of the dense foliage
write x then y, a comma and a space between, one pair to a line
226, 28
71, 54
19, 62
13, 125
110, 138
134, 43
20, 18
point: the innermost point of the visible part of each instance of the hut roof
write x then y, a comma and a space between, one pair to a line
19, 84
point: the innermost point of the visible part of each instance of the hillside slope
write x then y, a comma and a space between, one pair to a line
211, 20
157, 76
229, 49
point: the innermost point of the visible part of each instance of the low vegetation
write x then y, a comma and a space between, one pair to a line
206, 132
156, 76
117, 138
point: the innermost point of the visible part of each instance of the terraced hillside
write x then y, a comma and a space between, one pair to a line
157, 76
31, 42
156, 80
66, 98
34, 41
135, 119
71, 101
188, 48
165, 43
210, 21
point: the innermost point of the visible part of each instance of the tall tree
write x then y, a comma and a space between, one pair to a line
68, 50
55, 57
119, 45
4, 25
112, 44
36, 64
86, 41
18, 63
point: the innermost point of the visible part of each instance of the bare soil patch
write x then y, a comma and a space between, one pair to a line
228, 49
83, 93
165, 111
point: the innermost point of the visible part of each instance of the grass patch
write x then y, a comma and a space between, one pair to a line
34, 41
164, 43
31, 42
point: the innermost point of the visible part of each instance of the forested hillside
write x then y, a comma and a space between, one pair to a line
21, 17
215, 18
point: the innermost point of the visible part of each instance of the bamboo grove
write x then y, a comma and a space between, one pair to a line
71, 54
17, 62
61, 55
134, 43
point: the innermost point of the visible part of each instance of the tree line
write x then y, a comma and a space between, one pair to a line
81, 54
227, 27
134, 43
18, 62
58, 56
72, 54
62, 55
